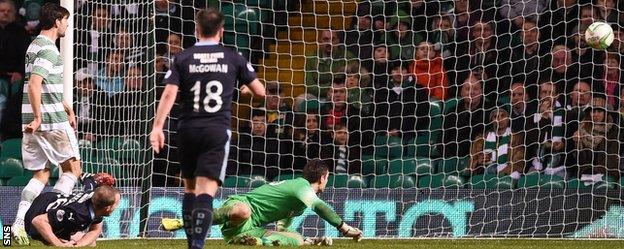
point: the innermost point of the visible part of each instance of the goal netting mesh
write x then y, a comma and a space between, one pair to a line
437, 118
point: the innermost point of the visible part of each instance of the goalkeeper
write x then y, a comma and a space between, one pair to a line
244, 216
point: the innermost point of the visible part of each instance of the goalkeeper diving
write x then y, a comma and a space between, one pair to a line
243, 217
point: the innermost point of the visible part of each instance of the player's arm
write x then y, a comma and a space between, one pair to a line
307, 196
70, 114
157, 137
89, 238
34, 96
42, 224
254, 87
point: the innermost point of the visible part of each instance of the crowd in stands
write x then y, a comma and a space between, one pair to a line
520, 89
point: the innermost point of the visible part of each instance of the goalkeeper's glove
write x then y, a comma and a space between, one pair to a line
349, 231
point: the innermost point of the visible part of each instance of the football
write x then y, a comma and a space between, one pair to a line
599, 35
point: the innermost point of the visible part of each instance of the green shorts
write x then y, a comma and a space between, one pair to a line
249, 227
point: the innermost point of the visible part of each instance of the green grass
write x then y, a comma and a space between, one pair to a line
376, 244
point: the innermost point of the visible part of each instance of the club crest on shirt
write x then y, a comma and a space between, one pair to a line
59, 214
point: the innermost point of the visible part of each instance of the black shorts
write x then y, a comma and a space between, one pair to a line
203, 152
38, 207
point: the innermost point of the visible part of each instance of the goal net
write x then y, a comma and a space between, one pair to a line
437, 118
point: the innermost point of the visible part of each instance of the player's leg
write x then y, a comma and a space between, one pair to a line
64, 150
188, 203
34, 159
212, 155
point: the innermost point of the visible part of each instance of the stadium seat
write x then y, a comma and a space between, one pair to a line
236, 182
286, 176
257, 181
240, 24
402, 166
370, 165
86, 150
388, 147
356, 182
440, 180
393, 181
337, 181
491, 181
536, 180
420, 146
425, 166
454, 165
130, 151
108, 147
450, 105
18, 181
575, 183
435, 127
10, 167
11, 148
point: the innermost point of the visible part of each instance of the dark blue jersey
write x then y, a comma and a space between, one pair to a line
66, 214
206, 75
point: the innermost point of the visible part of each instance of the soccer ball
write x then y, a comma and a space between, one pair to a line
599, 35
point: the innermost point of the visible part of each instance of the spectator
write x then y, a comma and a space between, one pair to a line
465, 122
428, 69
521, 109
611, 80
340, 157
174, 45
359, 38
607, 11
561, 71
519, 11
89, 108
280, 116
544, 137
547, 90
461, 20
443, 36
253, 153
131, 106
13, 44
498, 150
556, 22
308, 139
338, 111
588, 14
378, 66
168, 19
110, 78
597, 143
96, 35
618, 41
400, 39
580, 96
401, 107
586, 59
359, 93
527, 59
320, 66
124, 43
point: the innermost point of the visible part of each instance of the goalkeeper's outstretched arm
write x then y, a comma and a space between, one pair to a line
325, 212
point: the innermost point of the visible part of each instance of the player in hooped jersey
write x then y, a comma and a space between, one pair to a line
205, 75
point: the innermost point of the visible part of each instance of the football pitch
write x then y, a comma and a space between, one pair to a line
416, 243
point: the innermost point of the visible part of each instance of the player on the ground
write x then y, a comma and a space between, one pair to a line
206, 75
47, 120
58, 220
244, 216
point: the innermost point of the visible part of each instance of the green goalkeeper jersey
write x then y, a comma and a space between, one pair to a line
284, 200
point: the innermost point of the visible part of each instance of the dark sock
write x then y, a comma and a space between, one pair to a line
188, 202
202, 219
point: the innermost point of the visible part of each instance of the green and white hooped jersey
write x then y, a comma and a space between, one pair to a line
44, 59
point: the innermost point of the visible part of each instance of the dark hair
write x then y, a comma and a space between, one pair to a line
314, 170
258, 112
104, 196
50, 13
209, 21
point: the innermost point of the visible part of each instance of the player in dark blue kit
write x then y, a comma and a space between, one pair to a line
59, 220
205, 76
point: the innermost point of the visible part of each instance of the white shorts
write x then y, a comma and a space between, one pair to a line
41, 148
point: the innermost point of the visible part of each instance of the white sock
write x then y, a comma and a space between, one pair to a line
29, 193
66, 183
